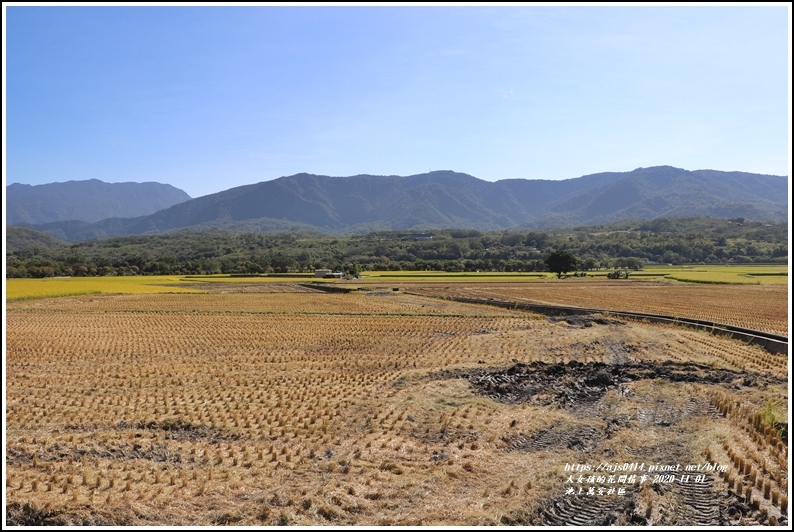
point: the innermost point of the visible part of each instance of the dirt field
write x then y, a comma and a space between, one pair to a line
297, 408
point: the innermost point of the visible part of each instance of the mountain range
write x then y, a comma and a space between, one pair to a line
447, 199
91, 200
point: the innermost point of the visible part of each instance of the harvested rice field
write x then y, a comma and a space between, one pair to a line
252, 406
760, 307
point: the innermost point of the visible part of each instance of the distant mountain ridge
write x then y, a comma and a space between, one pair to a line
88, 201
447, 199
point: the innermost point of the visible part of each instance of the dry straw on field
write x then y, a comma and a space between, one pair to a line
763, 308
354, 409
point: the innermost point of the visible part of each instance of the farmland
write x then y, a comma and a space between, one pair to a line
254, 403
704, 274
17, 289
761, 307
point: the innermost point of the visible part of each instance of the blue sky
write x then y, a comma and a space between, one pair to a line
208, 98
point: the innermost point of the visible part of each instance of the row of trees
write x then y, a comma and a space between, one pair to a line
560, 262
615, 246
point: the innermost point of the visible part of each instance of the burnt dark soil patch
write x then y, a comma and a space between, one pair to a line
143, 449
578, 388
155, 452
29, 515
180, 430
577, 384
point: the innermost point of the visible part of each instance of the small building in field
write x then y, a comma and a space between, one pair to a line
328, 274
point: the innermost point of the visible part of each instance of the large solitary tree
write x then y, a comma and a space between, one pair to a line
561, 262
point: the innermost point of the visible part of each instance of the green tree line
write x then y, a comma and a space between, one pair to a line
629, 244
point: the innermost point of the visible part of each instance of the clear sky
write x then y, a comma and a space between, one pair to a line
207, 98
